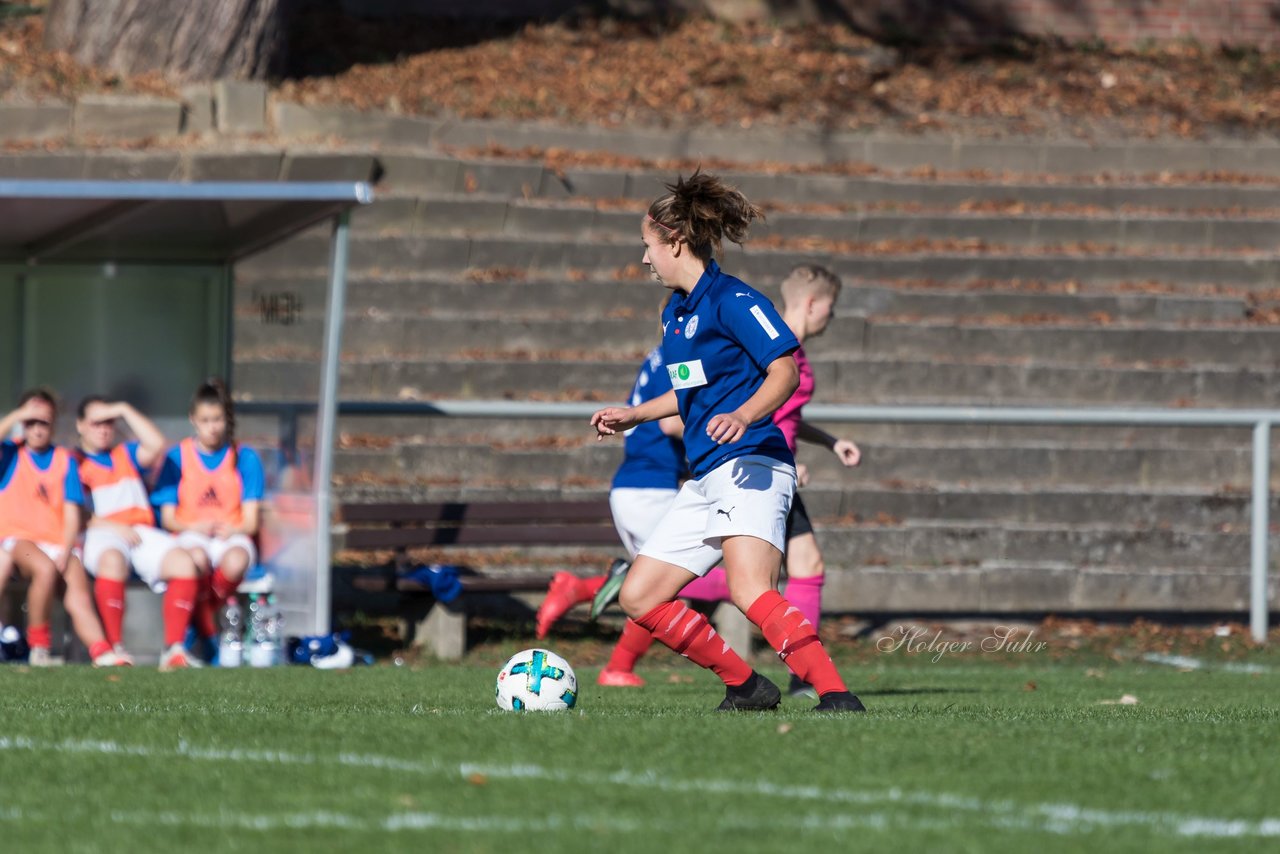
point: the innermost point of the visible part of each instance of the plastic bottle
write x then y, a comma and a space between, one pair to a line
260, 650
231, 641
275, 630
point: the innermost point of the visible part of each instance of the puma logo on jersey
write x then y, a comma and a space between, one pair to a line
210, 498
726, 513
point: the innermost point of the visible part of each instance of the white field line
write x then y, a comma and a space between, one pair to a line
1186, 663
1062, 818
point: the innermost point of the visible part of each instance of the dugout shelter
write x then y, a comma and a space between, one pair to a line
125, 288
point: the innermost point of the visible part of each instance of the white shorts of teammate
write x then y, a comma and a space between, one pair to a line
747, 496
637, 512
146, 557
51, 551
217, 547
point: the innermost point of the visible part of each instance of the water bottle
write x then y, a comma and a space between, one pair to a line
275, 630
260, 651
231, 641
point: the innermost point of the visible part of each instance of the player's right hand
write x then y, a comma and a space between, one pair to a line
610, 420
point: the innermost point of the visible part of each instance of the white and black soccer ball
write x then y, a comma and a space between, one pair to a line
536, 680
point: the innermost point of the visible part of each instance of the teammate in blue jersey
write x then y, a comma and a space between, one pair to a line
643, 488
728, 355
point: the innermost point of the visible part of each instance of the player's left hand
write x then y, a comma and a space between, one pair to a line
848, 453
726, 427
802, 474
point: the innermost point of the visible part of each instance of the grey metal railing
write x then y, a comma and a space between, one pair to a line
1260, 420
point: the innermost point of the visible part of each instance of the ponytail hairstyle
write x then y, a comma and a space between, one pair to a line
213, 390
702, 211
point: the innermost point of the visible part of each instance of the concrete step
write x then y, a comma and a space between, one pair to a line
259, 298
517, 217
885, 464
444, 175
1039, 587
856, 504
276, 374
846, 338
451, 253
943, 544
387, 430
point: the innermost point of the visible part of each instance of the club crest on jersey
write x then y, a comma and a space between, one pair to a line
691, 327
687, 374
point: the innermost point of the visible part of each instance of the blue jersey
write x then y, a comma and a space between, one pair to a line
73, 491
651, 458
717, 343
248, 466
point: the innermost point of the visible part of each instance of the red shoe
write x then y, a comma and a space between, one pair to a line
619, 679
565, 592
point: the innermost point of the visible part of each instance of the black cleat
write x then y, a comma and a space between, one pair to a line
839, 701
608, 592
801, 688
757, 694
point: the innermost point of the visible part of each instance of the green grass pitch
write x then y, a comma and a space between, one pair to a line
964, 754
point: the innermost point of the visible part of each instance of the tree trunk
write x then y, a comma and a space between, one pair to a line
187, 40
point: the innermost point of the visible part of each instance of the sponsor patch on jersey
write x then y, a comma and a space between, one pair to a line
758, 314
687, 374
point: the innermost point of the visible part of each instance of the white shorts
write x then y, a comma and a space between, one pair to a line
217, 547
145, 558
637, 512
748, 496
50, 550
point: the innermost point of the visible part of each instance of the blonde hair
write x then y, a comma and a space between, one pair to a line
702, 210
809, 280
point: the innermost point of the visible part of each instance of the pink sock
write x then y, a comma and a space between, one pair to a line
712, 587
806, 595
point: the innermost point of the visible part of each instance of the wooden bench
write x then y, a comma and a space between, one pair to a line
399, 527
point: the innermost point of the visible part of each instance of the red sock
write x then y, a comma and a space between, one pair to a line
39, 636
688, 633
205, 617
97, 648
589, 587
223, 587
179, 601
109, 595
796, 641
635, 642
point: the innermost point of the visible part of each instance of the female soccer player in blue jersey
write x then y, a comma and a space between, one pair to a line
728, 354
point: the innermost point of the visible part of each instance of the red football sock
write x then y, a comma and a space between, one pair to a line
98, 648
109, 594
179, 601
222, 586
205, 617
589, 587
688, 633
635, 642
39, 636
796, 641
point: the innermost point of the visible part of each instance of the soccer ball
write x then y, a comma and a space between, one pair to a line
536, 680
